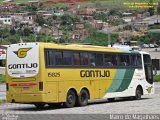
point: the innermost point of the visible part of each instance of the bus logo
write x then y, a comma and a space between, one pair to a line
22, 52
149, 89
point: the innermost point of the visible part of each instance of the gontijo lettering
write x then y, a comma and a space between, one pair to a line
22, 66
95, 73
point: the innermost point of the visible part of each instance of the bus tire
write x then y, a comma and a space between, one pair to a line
111, 99
70, 99
39, 106
82, 99
138, 93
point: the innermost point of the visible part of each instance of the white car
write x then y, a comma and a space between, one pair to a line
145, 46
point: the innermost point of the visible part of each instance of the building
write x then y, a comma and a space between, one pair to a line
141, 26
79, 34
79, 26
85, 11
99, 24
6, 19
114, 17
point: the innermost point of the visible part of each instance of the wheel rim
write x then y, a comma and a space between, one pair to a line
138, 94
83, 97
70, 99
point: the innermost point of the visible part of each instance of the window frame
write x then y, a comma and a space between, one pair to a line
89, 62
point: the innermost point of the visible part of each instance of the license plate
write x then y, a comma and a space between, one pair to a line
26, 88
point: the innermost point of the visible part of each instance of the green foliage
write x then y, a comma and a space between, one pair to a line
117, 22
2, 78
54, 17
101, 39
12, 31
26, 31
151, 10
158, 8
115, 11
4, 32
100, 16
31, 8
40, 20
156, 78
154, 27
69, 19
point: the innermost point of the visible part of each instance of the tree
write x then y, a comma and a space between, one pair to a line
40, 20
31, 8
115, 11
12, 31
54, 17
69, 19
27, 31
100, 16
158, 8
151, 9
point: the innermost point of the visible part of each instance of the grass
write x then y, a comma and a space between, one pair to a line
2, 78
156, 78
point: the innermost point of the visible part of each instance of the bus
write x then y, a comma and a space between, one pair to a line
55, 74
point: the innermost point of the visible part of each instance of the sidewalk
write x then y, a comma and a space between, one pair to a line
2, 92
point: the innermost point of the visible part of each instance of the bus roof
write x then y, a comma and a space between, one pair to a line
86, 47
83, 47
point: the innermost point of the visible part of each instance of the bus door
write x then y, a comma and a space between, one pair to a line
148, 68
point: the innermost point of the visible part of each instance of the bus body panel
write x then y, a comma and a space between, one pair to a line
51, 84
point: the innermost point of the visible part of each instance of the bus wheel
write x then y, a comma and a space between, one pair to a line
71, 99
138, 93
40, 106
83, 98
111, 99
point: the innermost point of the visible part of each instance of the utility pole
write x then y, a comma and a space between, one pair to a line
109, 37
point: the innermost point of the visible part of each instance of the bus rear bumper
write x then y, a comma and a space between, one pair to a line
28, 98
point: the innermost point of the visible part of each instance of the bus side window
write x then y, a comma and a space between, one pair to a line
110, 60
58, 58
49, 58
124, 60
76, 58
92, 59
99, 59
67, 58
84, 58
136, 61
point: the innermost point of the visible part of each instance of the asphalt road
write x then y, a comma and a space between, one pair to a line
149, 104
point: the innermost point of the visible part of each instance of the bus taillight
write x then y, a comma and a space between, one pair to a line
40, 86
7, 87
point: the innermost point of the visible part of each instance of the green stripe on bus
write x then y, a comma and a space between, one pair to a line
127, 80
117, 80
